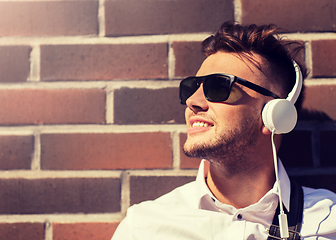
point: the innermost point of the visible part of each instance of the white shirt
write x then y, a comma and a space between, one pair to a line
192, 212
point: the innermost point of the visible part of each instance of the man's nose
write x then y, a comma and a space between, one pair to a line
197, 102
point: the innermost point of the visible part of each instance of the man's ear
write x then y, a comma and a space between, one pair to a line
265, 130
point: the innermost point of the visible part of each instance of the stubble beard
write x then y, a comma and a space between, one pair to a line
230, 149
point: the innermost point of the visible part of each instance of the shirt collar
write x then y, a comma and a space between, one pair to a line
202, 189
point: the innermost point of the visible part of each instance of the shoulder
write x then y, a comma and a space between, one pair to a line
316, 196
179, 197
319, 215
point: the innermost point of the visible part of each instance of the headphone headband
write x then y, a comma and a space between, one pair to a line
294, 94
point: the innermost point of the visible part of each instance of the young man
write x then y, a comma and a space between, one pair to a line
236, 194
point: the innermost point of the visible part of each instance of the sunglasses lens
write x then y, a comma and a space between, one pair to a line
188, 87
217, 88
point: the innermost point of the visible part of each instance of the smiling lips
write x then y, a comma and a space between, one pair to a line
199, 126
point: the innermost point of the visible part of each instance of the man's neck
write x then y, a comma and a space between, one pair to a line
239, 190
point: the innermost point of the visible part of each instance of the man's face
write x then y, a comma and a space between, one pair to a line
218, 130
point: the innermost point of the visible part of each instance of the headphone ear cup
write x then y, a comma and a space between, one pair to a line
279, 115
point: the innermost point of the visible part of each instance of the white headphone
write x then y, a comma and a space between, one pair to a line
280, 115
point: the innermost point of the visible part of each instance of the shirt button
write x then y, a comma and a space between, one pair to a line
239, 216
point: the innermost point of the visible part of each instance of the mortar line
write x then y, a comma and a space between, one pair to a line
94, 39
101, 84
62, 218
36, 159
146, 39
171, 61
237, 6
109, 111
125, 192
176, 150
48, 230
101, 18
117, 84
309, 58
47, 174
92, 128
34, 68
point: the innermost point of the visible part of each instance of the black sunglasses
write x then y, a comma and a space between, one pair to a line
216, 87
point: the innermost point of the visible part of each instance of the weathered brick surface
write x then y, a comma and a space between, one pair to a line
323, 57
83, 231
48, 18
296, 149
20, 231
59, 195
187, 162
328, 148
188, 58
139, 17
106, 151
58, 57
150, 188
16, 152
302, 15
14, 63
147, 106
52, 106
320, 102
104, 62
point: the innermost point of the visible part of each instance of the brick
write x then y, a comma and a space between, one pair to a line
106, 151
296, 149
144, 106
302, 15
187, 162
149, 188
48, 18
328, 148
104, 62
19, 231
320, 102
52, 106
139, 17
317, 181
16, 152
323, 57
14, 63
188, 58
59, 195
83, 231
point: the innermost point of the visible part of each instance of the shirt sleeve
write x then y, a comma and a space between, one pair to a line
319, 215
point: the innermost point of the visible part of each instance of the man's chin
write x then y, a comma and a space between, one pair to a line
196, 150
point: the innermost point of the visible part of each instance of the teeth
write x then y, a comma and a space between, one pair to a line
200, 124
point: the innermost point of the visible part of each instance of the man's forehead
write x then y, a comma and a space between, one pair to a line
248, 67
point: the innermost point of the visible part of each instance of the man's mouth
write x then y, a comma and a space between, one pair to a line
200, 124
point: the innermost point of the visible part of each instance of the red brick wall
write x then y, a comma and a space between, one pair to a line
90, 121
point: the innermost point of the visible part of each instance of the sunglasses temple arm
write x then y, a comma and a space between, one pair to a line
256, 88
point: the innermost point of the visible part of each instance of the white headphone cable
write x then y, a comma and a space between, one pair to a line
283, 224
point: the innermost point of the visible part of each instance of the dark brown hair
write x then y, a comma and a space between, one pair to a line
265, 41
